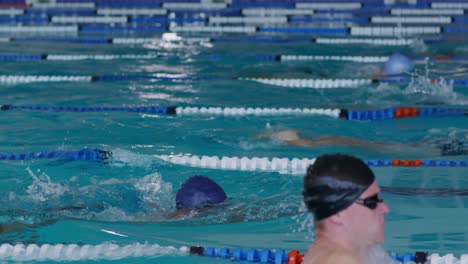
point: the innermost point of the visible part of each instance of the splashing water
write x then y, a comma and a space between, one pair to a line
43, 189
447, 135
418, 45
305, 223
154, 191
121, 157
438, 90
172, 41
378, 255
111, 214
108, 200
421, 89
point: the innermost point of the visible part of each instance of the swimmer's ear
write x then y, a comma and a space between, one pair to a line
336, 219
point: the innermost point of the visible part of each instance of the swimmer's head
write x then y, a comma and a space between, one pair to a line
198, 192
398, 64
333, 183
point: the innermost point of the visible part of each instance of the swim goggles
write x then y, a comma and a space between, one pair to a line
370, 202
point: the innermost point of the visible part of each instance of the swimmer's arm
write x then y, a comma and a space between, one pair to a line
75, 207
19, 227
334, 141
262, 136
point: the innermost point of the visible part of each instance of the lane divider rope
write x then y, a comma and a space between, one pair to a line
289, 82
112, 251
282, 58
74, 252
347, 114
65, 57
295, 166
133, 41
284, 165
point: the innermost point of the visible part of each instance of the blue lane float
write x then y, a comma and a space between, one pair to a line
24, 19
84, 154
280, 256
81, 109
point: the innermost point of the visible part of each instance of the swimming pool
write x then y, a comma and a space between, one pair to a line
122, 201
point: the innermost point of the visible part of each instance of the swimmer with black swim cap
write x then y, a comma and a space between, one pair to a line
342, 194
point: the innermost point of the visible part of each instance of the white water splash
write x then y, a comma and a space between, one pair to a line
421, 89
425, 86
249, 145
418, 46
155, 191
437, 136
111, 214
172, 41
43, 189
438, 90
305, 223
378, 255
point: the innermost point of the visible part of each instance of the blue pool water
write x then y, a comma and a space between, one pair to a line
127, 197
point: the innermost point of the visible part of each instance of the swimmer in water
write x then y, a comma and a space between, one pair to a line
343, 196
398, 64
197, 194
421, 148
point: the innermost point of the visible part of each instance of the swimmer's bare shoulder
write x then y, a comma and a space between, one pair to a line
342, 259
332, 259
329, 255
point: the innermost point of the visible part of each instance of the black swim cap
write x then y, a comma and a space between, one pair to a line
334, 182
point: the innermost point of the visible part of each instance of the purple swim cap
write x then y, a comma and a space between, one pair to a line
199, 191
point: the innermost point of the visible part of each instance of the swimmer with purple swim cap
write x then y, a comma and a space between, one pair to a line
199, 192
398, 64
